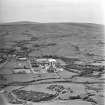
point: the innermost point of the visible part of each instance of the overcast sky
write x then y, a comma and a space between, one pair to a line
52, 10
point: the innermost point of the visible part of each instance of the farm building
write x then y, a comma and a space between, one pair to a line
41, 65
46, 65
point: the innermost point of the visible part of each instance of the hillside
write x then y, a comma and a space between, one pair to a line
79, 40
76, 77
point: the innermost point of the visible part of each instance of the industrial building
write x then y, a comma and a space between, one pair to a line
42, 65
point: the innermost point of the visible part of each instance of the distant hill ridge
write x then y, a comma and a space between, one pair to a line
68, 23
19, 22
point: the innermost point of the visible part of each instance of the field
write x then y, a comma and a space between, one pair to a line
78, 46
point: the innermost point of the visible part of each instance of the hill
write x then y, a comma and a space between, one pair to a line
79, 40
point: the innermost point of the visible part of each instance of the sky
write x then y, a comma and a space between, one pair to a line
91, 11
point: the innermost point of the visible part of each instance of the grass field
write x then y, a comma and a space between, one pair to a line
79, 46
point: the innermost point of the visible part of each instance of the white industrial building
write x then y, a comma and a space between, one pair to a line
42, 65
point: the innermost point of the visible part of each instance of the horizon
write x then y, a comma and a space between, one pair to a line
33, 22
